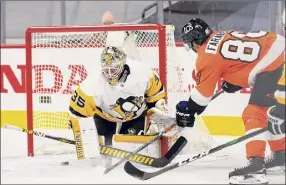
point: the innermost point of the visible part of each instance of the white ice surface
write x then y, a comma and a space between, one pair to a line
17, 168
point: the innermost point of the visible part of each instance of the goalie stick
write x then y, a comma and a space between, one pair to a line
139, 174
114, 152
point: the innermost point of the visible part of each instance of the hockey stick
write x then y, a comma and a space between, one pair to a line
114, 152
37, 133
217, 94
139, 174
157, 115
139, 149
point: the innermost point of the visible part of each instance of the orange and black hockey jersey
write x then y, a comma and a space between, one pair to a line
237, 58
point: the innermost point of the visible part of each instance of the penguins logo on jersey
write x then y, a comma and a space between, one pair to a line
127, 108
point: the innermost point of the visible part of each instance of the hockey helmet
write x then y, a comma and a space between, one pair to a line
195, 31
113, 60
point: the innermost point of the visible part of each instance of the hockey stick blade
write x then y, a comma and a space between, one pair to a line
142, 175
168, 157
105, 150
172, 153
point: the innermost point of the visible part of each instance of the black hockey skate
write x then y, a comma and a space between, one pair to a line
253, 173
275, 163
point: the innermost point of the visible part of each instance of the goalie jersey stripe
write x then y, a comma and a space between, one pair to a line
75, 113
155, 89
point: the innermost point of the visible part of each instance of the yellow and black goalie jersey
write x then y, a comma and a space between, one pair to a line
122, 102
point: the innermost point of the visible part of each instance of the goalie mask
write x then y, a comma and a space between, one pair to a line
113, 60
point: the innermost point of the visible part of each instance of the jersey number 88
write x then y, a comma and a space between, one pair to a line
240, 50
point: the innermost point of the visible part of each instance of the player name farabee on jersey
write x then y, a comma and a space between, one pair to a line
213, 43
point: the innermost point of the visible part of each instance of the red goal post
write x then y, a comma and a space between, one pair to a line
34, 41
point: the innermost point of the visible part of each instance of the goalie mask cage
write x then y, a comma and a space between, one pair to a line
60, 58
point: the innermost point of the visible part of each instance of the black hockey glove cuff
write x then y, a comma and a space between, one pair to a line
184, 116
230, 88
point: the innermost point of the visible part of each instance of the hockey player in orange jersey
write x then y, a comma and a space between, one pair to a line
256, 60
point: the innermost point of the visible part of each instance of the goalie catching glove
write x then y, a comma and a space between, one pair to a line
153, 127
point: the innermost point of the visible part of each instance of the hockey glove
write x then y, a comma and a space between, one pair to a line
184, 116
276, 124
230, 88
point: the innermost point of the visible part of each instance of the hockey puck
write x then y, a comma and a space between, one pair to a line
65, 163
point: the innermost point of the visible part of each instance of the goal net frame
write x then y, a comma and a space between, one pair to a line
100, 28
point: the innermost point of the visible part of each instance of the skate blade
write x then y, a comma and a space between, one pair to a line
249, 179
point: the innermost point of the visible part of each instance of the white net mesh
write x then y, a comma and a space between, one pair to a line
63, 58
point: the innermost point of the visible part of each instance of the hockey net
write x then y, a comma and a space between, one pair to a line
60, 58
